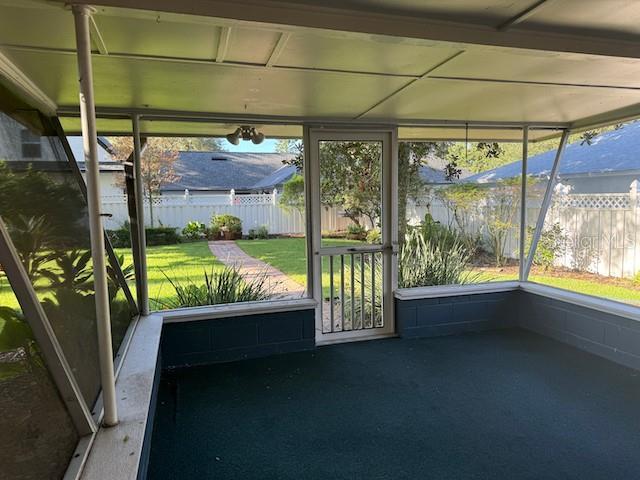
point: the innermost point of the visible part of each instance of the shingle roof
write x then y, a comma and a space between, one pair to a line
225, 170
281, 175
616, 151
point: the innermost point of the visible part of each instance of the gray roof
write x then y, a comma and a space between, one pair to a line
278, 177
222, 171
432, 171
616, 151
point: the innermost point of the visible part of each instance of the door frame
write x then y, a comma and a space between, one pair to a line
313, 134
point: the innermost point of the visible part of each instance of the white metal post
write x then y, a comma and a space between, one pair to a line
142, 283
545, 204
81, 14
523, 202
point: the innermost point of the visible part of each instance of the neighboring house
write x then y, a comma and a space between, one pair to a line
111, 171
220, 172
609, 165
432, 172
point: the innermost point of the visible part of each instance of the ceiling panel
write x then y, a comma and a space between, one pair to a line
215, 88
37, 26
522, 65
148, 36
500, 102
251, 45
368, 54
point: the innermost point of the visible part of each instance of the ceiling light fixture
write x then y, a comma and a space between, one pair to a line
245, 132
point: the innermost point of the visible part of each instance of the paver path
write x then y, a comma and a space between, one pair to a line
229, 253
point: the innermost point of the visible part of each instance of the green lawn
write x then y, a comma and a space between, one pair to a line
289, 255
182, 262
189, 260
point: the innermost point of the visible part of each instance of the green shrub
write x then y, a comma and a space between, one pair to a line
195, 230
551, 245
220, 285
261, 233
426, 261
121, 238
227, 223
356, 232
374, 236
214, 232
162, 236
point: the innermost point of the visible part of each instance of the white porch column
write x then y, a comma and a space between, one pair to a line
81, 14
523, 203
142, 282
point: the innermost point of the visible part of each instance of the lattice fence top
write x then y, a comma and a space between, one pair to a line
253, 199
595, 201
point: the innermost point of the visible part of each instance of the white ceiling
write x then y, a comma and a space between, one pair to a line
269, 74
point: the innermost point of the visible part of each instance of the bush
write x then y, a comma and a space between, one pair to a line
426, 261
195, 230
220, 285
356, 232
162, 236
550, 246
374, 236
121, 238
228, 225
261, 233
214, 232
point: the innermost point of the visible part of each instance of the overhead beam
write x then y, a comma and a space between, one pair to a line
223, 44
296, 14
212, 117
522, 16
23, 84
278, 49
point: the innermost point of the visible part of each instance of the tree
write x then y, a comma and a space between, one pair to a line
157, 162
293, 194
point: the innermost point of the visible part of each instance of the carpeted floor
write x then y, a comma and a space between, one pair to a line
498, 405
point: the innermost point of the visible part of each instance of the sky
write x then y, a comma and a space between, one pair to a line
268, 146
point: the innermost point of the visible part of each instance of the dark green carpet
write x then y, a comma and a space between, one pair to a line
498, 405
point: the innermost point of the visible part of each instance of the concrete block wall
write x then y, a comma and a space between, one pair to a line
433, 317
610, 336
236, 338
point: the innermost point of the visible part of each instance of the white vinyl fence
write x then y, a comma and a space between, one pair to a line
254, 210
601, 230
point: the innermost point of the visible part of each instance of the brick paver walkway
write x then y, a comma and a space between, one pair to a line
280, 284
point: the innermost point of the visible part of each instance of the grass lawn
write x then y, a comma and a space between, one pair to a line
181, 262
289, 255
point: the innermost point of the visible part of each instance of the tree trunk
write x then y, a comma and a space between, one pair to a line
150, 198
403, 183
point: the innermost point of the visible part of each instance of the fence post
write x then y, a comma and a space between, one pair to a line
232, 197
274, 196
187, 198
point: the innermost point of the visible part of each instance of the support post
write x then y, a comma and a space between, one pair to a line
140, 257
545, 204
81, 14
523, 202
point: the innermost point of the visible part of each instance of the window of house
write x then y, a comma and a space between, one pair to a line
31, 146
